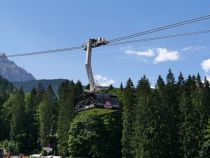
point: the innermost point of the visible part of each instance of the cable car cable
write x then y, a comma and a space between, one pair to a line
161, 37
117, 40
44, 52
112, 44
162, 28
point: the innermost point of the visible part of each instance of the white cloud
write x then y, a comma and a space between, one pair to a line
165, 55
147, 53
193, 48
187, 48
206, 65
158, 54
103, 81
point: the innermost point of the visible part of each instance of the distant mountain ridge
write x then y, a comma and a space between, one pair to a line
12, 72
19, 77
29, 85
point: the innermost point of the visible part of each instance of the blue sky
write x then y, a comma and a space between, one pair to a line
28, 26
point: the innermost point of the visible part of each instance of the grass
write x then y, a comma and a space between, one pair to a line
97, 111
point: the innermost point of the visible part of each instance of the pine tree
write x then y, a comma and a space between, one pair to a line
65, 116
200, 103
144, 126
188, 128
32, 122
5, 117
121, 87
5, 89
162, 117
18, 120
78, 89
180, 86
205, 152
181, 80
128, 119
47, 118
206, 86
167, 117
192, 107
40, 93
172, 119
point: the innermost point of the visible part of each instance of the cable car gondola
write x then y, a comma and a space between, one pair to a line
96, 100
93, 98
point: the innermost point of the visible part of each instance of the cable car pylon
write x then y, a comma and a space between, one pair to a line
93, 98
92, 43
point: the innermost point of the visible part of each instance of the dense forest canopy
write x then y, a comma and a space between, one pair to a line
170, 120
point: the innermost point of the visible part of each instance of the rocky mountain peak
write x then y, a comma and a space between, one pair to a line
12, 72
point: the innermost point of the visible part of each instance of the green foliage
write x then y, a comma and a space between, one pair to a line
205, 152
193, 117
128, 117
5, 86
95, 136
5, 89
10, 146
47, 118
5, 117
145, 124
78, 89
169, 120
65, 115
18, 120
32, 122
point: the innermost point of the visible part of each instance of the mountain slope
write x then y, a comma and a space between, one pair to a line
12, 72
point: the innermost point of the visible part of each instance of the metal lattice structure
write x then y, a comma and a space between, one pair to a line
93, 99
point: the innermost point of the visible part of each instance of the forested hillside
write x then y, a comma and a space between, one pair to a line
170, 120
29, 85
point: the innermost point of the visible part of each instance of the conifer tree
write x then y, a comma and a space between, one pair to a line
47, 118
206, 86
188, 128
5, 117
32, 122
121, 87
205, 152
128, 118
200, 104
180, 86
40, 93
160, 85
191, 127
172, 119
18, 120
65, 116
180, 81
6, 88
144, 143
78, 89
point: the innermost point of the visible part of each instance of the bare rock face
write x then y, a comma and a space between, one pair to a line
12, 72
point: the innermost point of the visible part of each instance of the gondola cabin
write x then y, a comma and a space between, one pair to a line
97, 101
